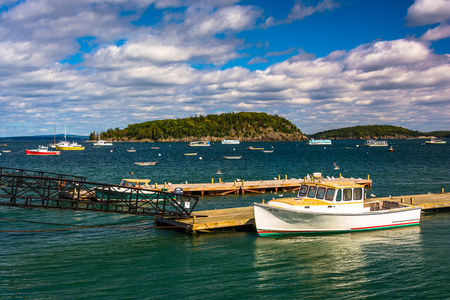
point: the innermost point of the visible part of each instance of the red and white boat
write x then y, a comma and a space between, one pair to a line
42, 150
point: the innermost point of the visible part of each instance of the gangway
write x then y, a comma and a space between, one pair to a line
35, 189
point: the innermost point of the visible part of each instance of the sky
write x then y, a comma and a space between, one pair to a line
326, 64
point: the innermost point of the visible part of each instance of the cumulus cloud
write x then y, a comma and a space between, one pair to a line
425, 12
178, 67
437, 33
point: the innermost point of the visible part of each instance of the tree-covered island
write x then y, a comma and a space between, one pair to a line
243, 126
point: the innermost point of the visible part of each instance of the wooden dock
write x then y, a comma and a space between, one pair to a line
243, 186
242, 218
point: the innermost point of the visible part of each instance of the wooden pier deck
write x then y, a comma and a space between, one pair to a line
243, 186
242, 218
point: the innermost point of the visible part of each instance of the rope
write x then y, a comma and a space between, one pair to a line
77, 227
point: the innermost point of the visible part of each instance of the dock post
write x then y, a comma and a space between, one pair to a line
262, 201
243, 181
368, 177
401, 200
442, 190
411, 200
165, 185
278, 177
285, 177
156, 185
235, 183
212, 180
340, 176
220, 180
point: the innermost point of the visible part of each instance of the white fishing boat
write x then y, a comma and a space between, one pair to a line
313, 142
190, 154
324, 207
373, 143
124, 193
267, 151
232, 157
199, 144
435, 142
147, 163
230, 142
103, 143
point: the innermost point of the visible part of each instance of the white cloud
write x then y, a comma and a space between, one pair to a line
426, 12
437, 33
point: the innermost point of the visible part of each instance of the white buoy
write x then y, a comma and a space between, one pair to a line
159, 154
200, 158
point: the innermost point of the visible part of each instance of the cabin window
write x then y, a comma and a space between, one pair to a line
320, 193
330, 195
347, 194
357, 194
303, 190
312, 192
339, 195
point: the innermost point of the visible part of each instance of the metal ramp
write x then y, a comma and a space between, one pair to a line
36, 189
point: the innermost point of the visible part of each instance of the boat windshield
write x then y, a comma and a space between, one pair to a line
321, 193
127, 183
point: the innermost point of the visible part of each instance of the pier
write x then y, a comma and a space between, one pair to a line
255, 186
33, 189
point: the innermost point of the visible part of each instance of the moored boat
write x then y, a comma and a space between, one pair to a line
42, 150
148, 163
199, 144
373, 143
319, 142
435, 142
230, 142
254, 148
322, 207
103, 143
128, 190
190, 154
63, 145
232, 157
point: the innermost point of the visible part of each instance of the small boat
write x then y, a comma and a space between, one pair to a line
219, 172
267, 151
149, 163
154, 148
42, 150
131, 150
6, 151
313, 142
200, 144
65, 145
3, 145
254, 148
190, 154
127, 191
232, 157
324, 207
336, 167
435, 142
103, 143
391, 149
373, 143
230, 142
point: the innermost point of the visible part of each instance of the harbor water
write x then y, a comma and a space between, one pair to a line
44, 255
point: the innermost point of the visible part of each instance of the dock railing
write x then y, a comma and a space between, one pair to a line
24, 188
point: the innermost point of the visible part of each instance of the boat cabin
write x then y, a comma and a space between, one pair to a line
136, 183
331, 192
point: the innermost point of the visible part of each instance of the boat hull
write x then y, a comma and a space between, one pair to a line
31, 152
69, 148
272, 220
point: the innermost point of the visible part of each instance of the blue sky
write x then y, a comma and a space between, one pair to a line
326, 64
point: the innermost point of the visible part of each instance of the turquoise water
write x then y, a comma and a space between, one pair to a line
132, 261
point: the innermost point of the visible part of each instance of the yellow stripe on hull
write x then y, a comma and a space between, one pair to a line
69, 148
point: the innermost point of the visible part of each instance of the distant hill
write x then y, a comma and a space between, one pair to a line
376, 132
45, 138
245, 126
